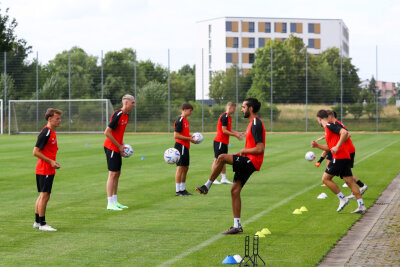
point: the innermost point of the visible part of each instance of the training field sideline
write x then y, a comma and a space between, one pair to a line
161, 229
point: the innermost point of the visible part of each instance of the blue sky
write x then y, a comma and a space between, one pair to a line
153, 26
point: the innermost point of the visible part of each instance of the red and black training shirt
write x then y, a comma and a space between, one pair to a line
255, 134
47, 143
118, 123
224, 121
181, 126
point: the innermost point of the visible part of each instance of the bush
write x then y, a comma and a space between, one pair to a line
370, 109
356, 110
337, 110
266, 112
217, 110
392, 101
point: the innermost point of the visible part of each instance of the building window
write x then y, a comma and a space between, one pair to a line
268, 27
261, 42
209, 31
284, 27
209, 46
251, 26
209, 61
251, 58
251, 43
235, 42
310, 27
228, 26
293, 27
228, 57
310, 43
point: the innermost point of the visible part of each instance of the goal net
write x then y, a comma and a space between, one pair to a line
79, 115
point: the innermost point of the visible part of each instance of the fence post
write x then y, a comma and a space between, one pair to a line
102, 92
69, 90
306, 90
377, 91
272, 80
169, 97
134, 85
202, 90
37, 91
5, 89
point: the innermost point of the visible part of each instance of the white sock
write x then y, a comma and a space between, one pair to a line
178, 187
183, 187
237, 222
110, 200
114, 198
360, 202
340, 195
223, 175
208, 184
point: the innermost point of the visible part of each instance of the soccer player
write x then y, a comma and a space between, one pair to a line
221, 140
114, 148
182, 144
333, 119
46, 150
335, 137
248, 160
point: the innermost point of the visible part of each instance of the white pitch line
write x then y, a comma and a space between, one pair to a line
257, 216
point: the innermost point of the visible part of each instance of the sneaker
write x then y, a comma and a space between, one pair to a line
178, 194
47, 227
361, 209
363, 189
36, 225
233, 231
216, 182
351, 196
225, 181
186, 193
113, 206
202, 189
342, 204
119, 205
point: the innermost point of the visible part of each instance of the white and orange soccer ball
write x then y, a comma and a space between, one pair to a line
310, 156
198, 138
172, 155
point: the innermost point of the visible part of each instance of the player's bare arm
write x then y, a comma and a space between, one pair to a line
38, 154
232, 133
314, 144
258, 149
184, 138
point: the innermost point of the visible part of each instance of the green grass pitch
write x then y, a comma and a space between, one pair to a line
159, 228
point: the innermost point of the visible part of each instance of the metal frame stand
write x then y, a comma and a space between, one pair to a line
246, 253
255, 250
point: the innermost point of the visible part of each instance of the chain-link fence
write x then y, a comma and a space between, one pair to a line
292, 86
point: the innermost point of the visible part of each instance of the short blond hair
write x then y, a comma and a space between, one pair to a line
127, 97
230, 104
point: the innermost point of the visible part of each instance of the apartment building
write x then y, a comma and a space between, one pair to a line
222, 42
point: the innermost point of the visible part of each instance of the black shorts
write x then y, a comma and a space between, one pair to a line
220, 148
243, 168
114, 161
352, 156
185, 158
329, 156
340, 167
44, 183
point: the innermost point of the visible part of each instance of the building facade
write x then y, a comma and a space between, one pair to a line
223, 42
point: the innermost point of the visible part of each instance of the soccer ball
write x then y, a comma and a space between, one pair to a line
128, 151
172, 155
198, 138
310, 156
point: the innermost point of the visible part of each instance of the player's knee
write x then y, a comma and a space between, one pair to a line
221, 158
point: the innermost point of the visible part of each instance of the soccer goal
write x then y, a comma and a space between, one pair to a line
79, 115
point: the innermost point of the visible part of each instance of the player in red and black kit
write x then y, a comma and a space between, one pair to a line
221, 140
248, 160
46, 150
182, 144
340, 165
114, 147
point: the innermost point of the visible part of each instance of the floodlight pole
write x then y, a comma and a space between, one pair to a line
102, 93
306, 90
69, 91
37, 91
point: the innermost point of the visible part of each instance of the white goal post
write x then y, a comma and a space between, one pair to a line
79, 115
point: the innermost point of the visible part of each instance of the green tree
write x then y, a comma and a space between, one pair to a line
182, 83
356, 110
151, 102
83, 70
